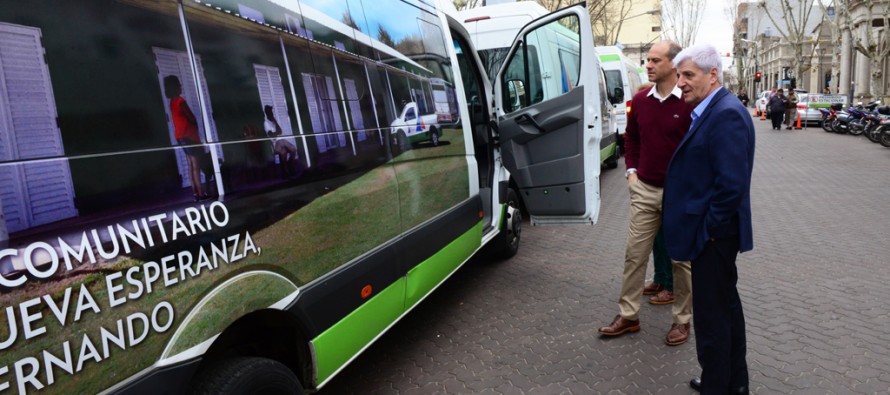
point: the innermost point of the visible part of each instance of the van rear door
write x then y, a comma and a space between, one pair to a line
549, 120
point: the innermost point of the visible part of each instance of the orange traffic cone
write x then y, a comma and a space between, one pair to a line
798, 121
756, 113
763, 115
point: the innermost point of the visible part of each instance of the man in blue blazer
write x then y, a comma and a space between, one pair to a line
707, 216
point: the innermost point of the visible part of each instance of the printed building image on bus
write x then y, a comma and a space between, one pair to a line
171, 169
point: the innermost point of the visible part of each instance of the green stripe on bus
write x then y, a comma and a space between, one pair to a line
610, 58
429, 273
335, 346
608, 151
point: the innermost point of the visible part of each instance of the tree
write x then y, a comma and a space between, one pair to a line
606, 16
739, 47
348, 20
873, 41
838, 25
385, 37
794, 29
682, 19
461, 5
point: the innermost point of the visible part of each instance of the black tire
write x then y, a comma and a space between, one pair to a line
884, 138
402, 141
826, 125
873, 135
836, 127
434, 136
247, 375
506, 244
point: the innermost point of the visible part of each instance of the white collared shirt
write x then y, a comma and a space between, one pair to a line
675, 92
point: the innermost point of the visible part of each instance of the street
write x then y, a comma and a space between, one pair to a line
815, 290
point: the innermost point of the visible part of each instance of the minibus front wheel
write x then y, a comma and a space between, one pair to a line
248, 375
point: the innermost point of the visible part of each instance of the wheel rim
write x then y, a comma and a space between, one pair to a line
514, 223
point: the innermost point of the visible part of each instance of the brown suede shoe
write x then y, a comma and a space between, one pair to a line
663, 297
678, 335
652, 288
619, 326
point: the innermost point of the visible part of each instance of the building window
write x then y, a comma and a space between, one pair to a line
656, 28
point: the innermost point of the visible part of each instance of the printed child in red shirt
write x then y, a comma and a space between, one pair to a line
185, 128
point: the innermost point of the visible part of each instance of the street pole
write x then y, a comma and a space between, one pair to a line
821, 70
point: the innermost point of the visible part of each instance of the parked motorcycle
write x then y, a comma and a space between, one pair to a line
829, 115
851, 120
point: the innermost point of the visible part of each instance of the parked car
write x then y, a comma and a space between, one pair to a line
760, 103
807, 113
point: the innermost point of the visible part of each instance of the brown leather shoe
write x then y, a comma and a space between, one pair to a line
652, 288
678, 335
663, 297
619, 326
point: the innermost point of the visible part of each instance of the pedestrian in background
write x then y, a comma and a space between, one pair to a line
655, 127
790, 109
743, 97
707, 216
776, 106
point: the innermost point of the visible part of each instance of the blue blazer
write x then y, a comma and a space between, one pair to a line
708, 180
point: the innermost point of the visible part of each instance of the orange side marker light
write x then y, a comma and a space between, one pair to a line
366, 291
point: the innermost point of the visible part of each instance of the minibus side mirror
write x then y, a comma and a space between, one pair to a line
516, 93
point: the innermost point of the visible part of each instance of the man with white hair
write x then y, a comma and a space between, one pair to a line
707, 216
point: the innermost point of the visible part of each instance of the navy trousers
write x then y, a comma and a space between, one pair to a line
718, 318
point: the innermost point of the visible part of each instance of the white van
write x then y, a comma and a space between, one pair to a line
493, 27
154, 241
623, 78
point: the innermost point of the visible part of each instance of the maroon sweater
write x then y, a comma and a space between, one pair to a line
654, 130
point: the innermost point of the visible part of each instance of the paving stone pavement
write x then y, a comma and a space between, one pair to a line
815, 292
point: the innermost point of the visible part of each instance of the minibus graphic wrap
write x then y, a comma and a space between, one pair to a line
110, 263
187, 188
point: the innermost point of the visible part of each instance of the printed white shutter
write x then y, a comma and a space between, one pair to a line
214, 136
335, 111
272, 94
312, 100
355, 109
33, 193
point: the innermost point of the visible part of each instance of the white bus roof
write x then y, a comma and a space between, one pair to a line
495, 26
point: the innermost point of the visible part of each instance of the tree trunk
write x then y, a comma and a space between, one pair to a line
877, 78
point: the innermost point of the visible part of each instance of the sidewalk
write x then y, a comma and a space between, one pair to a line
815, 292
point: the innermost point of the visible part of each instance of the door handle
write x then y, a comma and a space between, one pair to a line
528, 119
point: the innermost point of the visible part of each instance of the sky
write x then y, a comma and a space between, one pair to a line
716, 29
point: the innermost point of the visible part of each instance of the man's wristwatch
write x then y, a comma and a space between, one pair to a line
629, 172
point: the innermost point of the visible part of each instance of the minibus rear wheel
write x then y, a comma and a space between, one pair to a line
248, 375
506, 244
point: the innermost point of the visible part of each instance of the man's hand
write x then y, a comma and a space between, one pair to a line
631, 179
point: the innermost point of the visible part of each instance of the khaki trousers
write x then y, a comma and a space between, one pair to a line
790, 117
645, 220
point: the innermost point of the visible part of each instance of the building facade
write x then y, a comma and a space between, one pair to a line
845, 50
